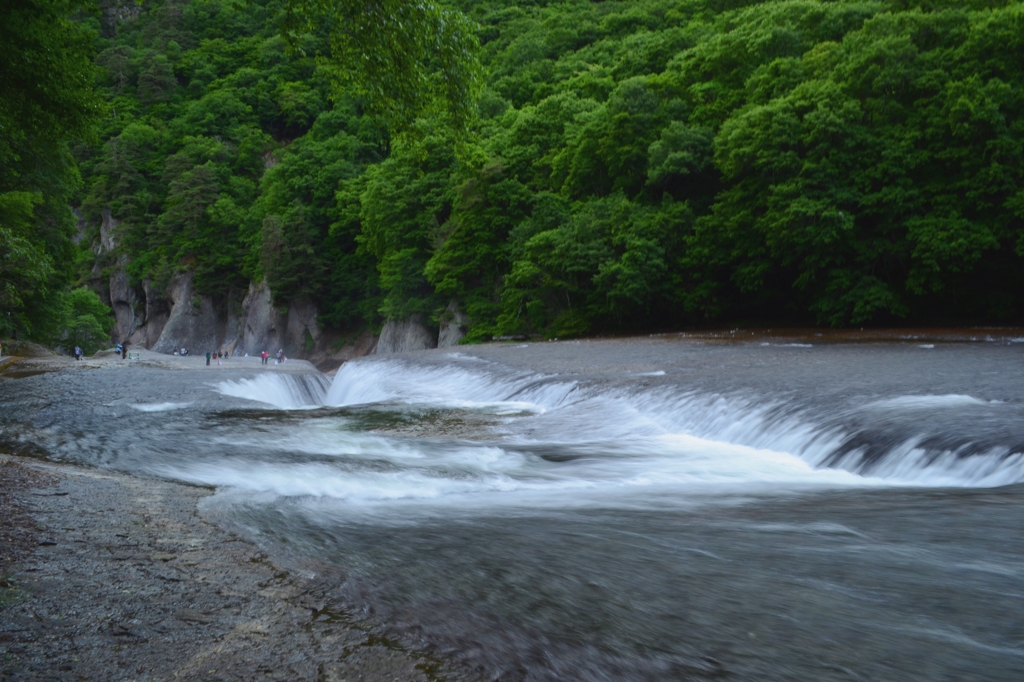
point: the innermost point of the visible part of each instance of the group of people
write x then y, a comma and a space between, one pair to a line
122, 350
216, 355
278, 359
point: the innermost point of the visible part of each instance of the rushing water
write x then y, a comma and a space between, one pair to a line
636, 509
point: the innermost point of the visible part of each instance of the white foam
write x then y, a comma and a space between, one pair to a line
668, 469
159, 407
926, 402
629, 436
369, 381
283, 391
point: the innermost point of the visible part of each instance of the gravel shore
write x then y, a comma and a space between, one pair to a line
106, 576
112, 577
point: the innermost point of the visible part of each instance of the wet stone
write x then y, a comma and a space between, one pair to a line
105, 604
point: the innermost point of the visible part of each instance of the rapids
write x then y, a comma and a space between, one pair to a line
640, 509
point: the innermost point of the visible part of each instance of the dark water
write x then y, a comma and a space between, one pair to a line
617, 510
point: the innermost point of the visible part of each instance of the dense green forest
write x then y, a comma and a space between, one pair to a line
47, 101
616, 166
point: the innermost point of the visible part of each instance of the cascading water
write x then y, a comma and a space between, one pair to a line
283, 391
686, 435
615, 510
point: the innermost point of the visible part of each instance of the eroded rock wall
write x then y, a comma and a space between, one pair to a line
194, 321
402, 336
263, 326
125, 303
454, 325
178, 317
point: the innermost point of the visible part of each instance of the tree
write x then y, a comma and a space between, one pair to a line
47, 100
405, 202
26, 269
405, 57
88, 321
46, 77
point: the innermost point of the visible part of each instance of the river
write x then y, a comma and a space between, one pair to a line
658, 508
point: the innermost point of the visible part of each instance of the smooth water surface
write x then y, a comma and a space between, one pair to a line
640, 509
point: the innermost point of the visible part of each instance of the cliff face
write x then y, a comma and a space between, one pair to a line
178, 317
454, 325
403, 336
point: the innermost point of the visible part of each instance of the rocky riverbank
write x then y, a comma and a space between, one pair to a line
110, 577
106, 576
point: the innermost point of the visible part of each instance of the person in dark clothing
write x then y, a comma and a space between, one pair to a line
208, 358
124, 350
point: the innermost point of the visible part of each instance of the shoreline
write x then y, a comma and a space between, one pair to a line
118, 577
17, 366
112, 576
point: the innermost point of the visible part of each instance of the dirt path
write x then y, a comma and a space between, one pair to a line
110, 577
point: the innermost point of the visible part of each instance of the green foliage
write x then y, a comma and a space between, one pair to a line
203, 95
405, 202
881, 180
87, 321
46, 76
26, 269
471, 260
406, 58
627, 164
47, 101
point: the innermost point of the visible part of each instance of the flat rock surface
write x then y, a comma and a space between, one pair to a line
111, 577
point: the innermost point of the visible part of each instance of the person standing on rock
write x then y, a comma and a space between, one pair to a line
124, 349
207, 358
78, 353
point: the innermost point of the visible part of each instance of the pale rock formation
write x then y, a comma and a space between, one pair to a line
454, 325
108, 228
158, 311
125, 303
401, 336
193, 323
123, 298
178, 317
301, 331
263, 326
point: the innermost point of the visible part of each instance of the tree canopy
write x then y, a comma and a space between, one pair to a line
47, 101
556, 168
